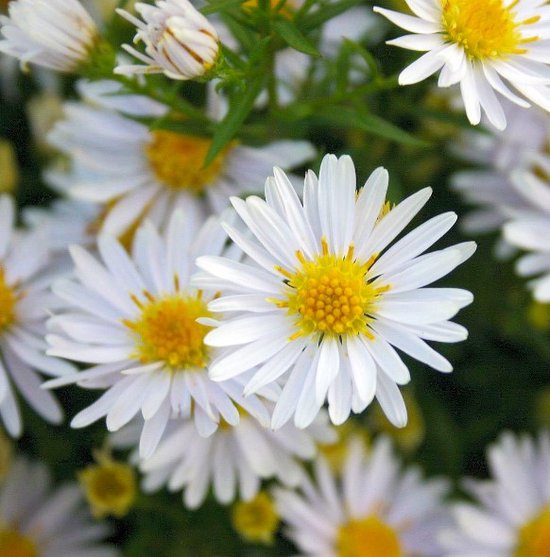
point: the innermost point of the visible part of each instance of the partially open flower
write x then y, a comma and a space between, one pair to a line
56, 34
179, 41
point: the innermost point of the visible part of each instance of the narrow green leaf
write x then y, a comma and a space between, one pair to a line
219, 5
293, 37
239, 108
317, 18
349, 118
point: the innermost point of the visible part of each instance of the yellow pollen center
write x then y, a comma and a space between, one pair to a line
256, 520
167, 331
14, 544
285, 8
368, 537
485, 29
177, 161
331, 295
8, 299
534, 537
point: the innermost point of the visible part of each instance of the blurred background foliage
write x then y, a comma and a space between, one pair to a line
500, 380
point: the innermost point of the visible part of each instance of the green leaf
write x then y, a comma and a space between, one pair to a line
349, 118
239, 108
293, 37
219, 5
328, 11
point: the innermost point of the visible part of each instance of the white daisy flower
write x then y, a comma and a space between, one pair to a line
134, 321
37, 521
374, 509
236, 458
57, 34
25, 300
496, 155
511, 517
326, 300
136, 173
529, 229
481, 45
179, 41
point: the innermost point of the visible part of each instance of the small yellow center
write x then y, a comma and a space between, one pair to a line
485, 29
14, 544
167, 331
284, 7
8, 299
110, 487
534, 537
368, 537
331, 295
256, 520
177, 161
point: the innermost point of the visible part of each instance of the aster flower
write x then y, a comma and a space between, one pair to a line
373, 509
511, 515
234, 459
24, 304
323, 298
39, 521
136, 173
485, 46
179, 41
133, 320
496, 155
529, 228
56, 34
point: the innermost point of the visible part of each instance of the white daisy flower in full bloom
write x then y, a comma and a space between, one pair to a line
136, 173
324, 299
234, 459
25, 300
134, 321
38, 521
57, 34
179, 41
529, 229
511, 516
495, 156
373, 509
481, 44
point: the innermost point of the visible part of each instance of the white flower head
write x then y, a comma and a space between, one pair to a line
234, 460
323, 298
373, 510
179, 41
511, 515
39, 521
135, 173
528, 229
134, 321
56, 34
482, 45
24, 304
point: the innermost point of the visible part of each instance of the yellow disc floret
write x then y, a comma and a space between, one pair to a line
534, 537
368, 537
485, 29
331, 295
167, 331
8, 299
109, 486
14, 544
256, 520
177, 161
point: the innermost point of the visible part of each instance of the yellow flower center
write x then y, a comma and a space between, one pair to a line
14, 544
256, 520
534, 537
167, 331
177, 161
368, 537
485, 29
331, 295
285, 8
8, 299
110, 487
